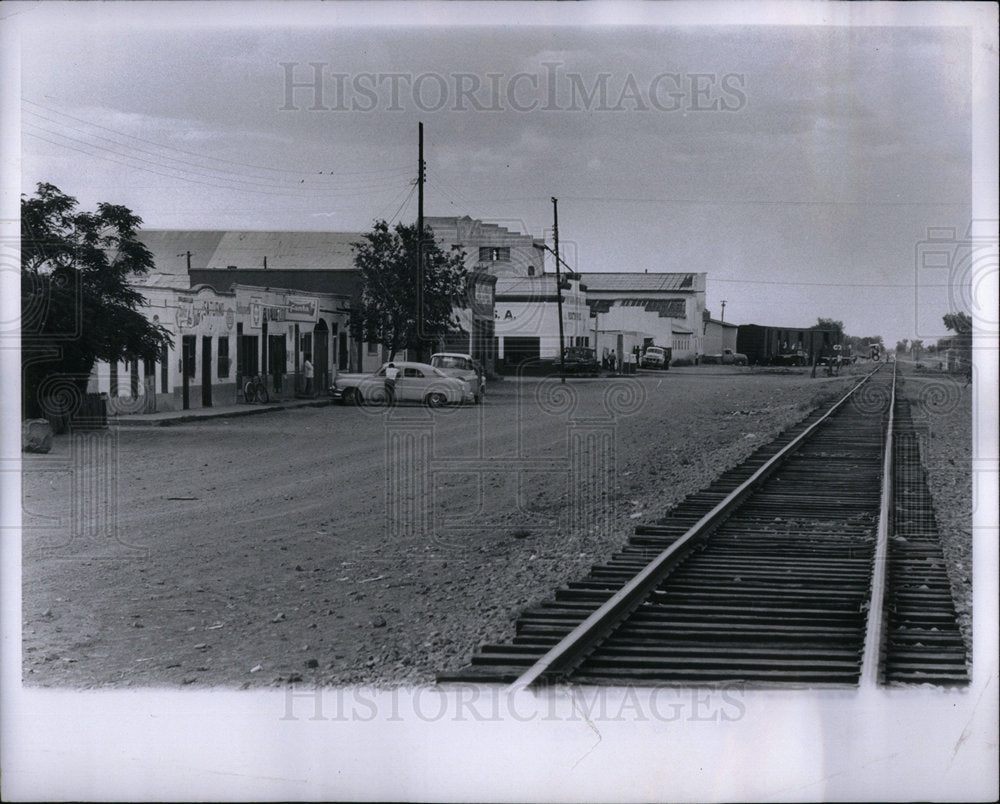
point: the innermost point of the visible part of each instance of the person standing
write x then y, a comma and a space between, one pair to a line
391, 373
307, 369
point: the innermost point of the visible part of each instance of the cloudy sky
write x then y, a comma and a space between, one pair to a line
799, 166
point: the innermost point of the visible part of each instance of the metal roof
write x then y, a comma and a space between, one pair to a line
249, 249
619, 282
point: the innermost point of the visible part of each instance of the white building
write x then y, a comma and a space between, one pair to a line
667, 307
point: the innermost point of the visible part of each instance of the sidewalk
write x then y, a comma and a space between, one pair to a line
168, 417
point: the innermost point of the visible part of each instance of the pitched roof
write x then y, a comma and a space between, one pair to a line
339, 283
619, 282
665, 308
301, 251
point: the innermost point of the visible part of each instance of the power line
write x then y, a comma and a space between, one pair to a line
296, 173
829, 284
219, 182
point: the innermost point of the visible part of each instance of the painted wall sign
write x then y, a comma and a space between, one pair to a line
301, 308
192, 313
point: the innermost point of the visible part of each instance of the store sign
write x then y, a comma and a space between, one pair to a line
483, 298
301, 308
191, 313
256, 312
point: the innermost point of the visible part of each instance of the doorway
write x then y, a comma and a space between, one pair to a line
206, 371
320, 355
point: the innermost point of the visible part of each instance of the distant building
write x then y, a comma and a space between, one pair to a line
718, 335
665, 309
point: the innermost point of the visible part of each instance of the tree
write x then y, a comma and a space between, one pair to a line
903, 346
78, 305
961, 342
959, 323
402, 307
828, 323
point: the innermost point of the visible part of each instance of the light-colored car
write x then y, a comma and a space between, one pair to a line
462, 366
416, 382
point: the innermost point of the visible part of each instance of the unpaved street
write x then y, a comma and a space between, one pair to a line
336, 545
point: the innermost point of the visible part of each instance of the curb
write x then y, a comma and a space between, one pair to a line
188, 416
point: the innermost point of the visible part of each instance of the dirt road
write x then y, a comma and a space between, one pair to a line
338, 545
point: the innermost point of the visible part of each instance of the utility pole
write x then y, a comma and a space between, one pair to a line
723, 319
420, 236
555, 233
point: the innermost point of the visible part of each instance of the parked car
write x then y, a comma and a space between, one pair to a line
728, 357
581, 361
656, 357
462, 366
416, 382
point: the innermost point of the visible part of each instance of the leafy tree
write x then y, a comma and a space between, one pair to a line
828, 323
903, 346
402, 307
78, 305
961, 324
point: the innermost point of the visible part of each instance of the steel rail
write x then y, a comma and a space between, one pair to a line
871, 662
569, 650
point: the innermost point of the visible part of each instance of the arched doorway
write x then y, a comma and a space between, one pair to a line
321, 356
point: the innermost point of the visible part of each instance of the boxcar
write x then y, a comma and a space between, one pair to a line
788, 346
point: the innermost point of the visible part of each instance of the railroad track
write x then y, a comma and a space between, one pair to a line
815, 562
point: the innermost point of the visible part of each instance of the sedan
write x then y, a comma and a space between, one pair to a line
415, 382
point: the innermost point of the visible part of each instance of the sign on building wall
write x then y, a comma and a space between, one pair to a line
191, 313
301, 308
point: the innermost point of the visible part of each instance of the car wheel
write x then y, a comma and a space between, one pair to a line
436, 400
353, 397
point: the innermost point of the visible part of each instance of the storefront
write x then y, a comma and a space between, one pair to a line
221, 339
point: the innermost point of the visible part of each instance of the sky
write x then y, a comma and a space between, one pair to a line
801, 167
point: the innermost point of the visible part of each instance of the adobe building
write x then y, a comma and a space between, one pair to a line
220, 339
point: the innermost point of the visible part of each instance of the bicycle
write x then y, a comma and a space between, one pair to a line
255, 390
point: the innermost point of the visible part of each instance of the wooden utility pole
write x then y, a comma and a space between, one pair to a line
723, 319
555, 233
420, 238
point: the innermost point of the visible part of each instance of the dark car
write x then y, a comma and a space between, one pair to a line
581, 360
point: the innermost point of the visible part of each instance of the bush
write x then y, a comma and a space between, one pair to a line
682, 361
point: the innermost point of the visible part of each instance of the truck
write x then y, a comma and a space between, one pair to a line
656, 357
727, 357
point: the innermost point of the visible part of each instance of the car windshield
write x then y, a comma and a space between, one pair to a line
450, 362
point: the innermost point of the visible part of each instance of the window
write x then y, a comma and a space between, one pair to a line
373, 348
412, 372
493, 254
223, 357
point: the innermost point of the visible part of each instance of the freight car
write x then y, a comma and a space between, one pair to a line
784, 346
